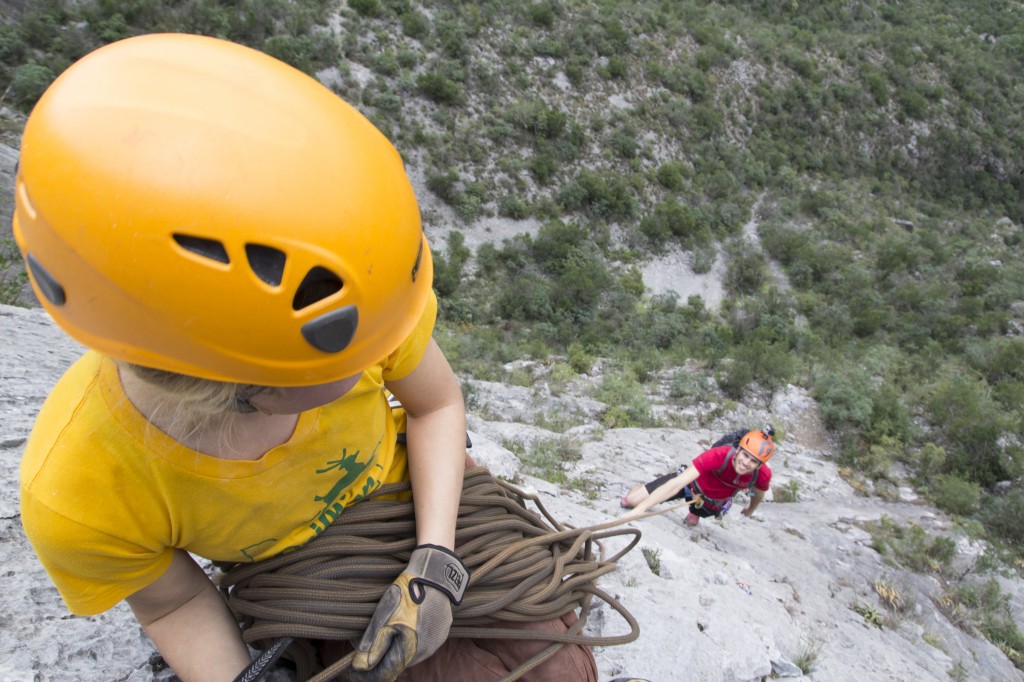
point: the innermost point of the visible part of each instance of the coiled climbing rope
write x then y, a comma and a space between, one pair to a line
524, 567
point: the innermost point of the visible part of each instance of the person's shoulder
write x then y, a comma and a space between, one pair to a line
76, 417
720, 451
712, 456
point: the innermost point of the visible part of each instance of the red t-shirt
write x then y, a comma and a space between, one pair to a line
721, 486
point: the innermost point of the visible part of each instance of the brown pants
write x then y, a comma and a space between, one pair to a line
488, 660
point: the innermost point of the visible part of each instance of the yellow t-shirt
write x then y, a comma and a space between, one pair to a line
106, 496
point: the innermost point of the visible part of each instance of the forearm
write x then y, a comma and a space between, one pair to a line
668, 489
437, 463
191, 625
436, 430
200, 640
755, 501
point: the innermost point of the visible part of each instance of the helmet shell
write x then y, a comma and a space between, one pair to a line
193, 205
758, 446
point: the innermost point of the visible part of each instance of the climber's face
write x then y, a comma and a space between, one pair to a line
744, 463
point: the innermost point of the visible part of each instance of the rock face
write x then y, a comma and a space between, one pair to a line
745, 599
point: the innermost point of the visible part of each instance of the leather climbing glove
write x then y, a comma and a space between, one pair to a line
413, 617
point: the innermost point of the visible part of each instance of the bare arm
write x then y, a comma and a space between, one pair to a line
754, 502
667, 490
436, 444
191, 625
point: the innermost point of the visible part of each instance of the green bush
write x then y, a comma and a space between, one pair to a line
955, 495
618, 68
29, 84
972, 425
366, 8
580, 360
671, 175
548, 459
542, 14
914, 104
415, 24
39, 28
788, 492
606, 196
626, 400
890, 417
652, 556
468, 207
1001, 515
295, 50
439, 88
912, 546
845, 400
543, 167
449, 266
686, 388
672, 220
444, 185
12, 49
385, 63
747, 272
988, 609
13, 278
511, 206
929, 460
113, 28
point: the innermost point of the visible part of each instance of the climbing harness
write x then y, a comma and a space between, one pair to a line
696, 498
524, 567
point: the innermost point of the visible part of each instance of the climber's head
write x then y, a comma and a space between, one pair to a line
197, 207
756, 446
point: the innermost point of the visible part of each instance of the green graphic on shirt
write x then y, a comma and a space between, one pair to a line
252, 551
340, 495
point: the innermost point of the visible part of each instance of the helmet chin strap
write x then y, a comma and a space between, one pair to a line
244, 403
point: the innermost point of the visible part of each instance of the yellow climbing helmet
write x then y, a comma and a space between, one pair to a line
196, 206
758, 445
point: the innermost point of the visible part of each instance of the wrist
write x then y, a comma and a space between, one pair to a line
438, 567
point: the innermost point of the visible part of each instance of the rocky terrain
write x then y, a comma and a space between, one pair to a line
797, 589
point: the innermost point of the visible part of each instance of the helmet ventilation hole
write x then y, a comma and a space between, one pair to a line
318, 284
267, 262
207, 248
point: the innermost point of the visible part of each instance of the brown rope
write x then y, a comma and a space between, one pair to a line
524, 567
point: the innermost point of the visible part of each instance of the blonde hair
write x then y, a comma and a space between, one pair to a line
193, 404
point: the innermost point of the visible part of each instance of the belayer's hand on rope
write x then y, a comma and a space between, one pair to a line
413, 617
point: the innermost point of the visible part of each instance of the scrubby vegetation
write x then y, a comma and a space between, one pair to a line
881, 144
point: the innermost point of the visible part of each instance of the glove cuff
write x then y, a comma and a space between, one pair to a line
439, 568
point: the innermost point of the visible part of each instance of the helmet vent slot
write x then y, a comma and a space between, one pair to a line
318, 284
267, 262
207, 248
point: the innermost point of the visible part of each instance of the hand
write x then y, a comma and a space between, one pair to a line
632, 513
748, 512
413, 617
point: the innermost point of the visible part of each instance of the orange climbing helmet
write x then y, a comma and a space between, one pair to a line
189, 204
758, 445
